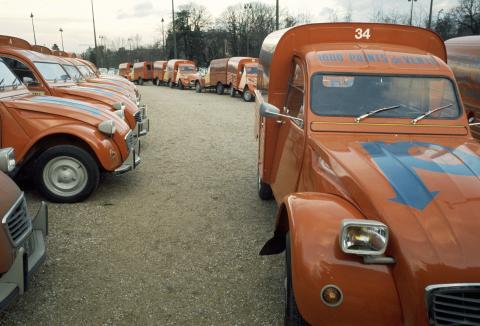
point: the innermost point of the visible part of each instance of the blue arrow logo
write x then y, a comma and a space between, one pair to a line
399, 167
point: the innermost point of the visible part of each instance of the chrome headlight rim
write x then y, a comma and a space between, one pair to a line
375, 229
7, 159
119, 106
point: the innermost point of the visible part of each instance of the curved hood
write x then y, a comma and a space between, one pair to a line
427, 191
105, 96
120, 89
75, 110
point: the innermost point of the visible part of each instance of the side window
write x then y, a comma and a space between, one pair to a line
19, 69
296, 88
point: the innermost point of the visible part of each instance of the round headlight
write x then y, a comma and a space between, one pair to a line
121, 113
107, 127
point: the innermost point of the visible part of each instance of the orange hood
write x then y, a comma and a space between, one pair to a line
427, 190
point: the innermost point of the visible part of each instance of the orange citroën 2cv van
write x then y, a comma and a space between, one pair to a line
365, 146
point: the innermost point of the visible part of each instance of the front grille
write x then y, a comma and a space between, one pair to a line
130, 140
456, 304
17, 223
138, 116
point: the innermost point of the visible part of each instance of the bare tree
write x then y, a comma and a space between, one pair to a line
468, 16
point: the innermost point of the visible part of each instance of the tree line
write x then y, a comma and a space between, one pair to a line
241, 28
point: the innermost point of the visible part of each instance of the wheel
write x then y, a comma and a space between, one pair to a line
264, 189
170, 84
140, 81
154, 81
180, 85
66, 174
247, 95
158, 82
198, 87
220, 89
292, 315
232, 91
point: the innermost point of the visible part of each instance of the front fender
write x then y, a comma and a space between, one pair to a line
251, 88
106, 150
369, 292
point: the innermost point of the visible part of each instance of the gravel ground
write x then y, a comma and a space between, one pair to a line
175, 242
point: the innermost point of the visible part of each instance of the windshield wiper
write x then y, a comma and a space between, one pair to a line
14, 84
370, 113
423, 116
1, 82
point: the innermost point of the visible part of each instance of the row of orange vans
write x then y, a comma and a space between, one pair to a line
237, 74
61, 125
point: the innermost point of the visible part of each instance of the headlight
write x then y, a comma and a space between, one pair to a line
7, 159
107, 127
118, 106
363, 237
121, 113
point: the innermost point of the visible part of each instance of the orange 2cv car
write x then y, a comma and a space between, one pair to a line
464, 59
215, 78
158, 72
45, 76
124, 69
242, 77
63, 144
366, 148
180, 73
22, 238
142, 72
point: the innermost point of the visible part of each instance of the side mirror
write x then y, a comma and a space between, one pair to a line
7, 159
268, 110
28, 81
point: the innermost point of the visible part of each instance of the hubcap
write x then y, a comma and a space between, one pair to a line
65, 176
247, 96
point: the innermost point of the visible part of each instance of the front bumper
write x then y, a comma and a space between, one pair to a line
28, 257
132, 161
144, 124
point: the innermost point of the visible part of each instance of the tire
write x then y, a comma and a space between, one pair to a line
180, 85
154, 81
232, 91
198, 87
170, 84
220, 89
264, 189
140, 81
66, 174
247, 95
292, 315
158, 82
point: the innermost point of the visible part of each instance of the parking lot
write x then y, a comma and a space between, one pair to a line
174, 242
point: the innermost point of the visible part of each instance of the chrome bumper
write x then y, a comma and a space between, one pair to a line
143, 127
132, 161
28, 257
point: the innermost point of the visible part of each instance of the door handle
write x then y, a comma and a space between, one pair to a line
280, 122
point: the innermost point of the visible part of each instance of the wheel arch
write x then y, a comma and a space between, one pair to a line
313, 221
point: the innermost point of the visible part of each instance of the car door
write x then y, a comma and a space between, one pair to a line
291, 140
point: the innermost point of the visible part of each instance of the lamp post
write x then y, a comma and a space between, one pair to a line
130, 44
246, 7
411, 11
33, 26
174, 34
277, 25
430, 15
163, 41
61, 36
94, 31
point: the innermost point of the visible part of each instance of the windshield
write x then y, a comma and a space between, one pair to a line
188, 68
85, 71
52, 71
7, 78
73, 71
353, 96
251, 70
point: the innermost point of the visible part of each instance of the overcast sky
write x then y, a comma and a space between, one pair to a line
124, 18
